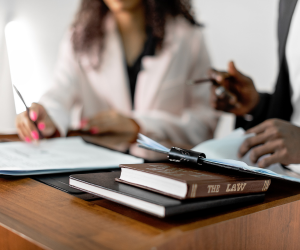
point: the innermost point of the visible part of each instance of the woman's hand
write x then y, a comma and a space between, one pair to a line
27, 130
110, 121
243, 95
276, 137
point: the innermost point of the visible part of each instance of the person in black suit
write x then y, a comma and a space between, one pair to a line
271, 114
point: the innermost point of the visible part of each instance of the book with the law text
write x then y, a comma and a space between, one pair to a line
184, 181
105, 186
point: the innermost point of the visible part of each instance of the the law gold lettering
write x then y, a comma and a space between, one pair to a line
266, 185
213, 188
235, 187
243, 185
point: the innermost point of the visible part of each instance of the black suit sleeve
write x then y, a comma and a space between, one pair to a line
278, 105
259, 113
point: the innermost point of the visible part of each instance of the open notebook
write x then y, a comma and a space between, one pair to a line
58, 155
223, 152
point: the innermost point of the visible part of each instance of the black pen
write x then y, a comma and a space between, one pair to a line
27, 109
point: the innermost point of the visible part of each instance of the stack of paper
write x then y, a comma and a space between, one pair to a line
58, 155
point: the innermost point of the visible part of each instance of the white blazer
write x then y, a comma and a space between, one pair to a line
165, 107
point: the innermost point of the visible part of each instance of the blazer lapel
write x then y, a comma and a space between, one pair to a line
150, 79
109, 78
113, 67
154, 69
286, 10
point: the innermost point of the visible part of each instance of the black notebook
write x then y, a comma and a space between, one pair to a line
104, 185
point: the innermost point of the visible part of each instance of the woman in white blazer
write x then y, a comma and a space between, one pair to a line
126, 63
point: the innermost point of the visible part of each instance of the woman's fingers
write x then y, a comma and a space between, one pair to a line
101, 123
46, 126
110, 121
25, 127
27, 130
34, 112
100, 127
21, 132
30, 128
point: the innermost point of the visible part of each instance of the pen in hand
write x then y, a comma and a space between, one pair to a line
220, 91
28, 110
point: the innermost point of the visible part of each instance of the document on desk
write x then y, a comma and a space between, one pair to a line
224, 152
58, 155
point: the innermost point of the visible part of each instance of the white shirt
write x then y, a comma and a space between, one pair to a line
293, 61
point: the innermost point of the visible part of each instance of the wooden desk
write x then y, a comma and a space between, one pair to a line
36, 216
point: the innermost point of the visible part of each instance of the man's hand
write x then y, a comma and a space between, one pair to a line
243, 96
279, 138
110, 121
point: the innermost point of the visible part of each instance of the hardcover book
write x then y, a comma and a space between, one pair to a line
182, 182
105, 186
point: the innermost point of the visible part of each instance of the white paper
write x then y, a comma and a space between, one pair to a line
225, 150
58, 155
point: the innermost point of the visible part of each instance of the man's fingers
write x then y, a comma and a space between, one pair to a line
254, 141
232, 69
219, 78
259, 151
246, 146
260, 128
269, 160
232, 99
222, 102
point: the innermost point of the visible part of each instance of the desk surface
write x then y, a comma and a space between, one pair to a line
36, 216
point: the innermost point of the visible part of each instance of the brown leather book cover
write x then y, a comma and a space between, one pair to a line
201, 183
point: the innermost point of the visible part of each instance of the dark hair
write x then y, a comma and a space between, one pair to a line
89, 29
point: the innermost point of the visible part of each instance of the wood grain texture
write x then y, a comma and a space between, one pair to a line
60, 221
276, 228
12, 240
35, 216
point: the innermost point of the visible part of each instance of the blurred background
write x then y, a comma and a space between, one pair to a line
30, 32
